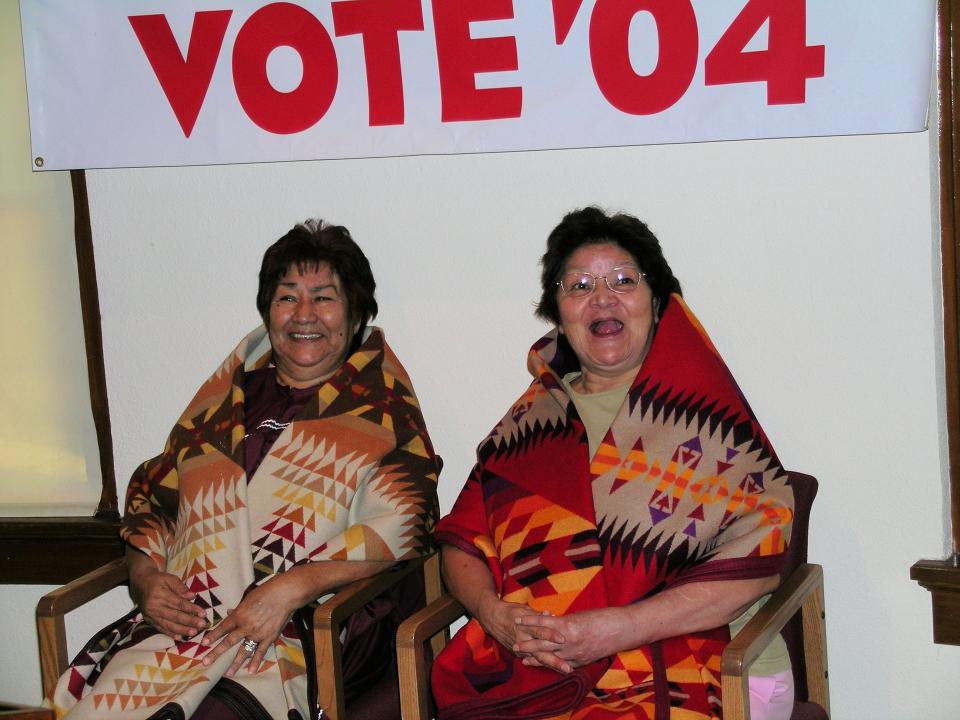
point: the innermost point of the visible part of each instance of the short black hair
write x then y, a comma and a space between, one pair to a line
309, 245
591, 226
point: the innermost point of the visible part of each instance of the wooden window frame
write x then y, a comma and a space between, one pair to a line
54, 550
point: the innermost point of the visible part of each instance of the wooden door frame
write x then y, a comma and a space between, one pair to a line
942, 576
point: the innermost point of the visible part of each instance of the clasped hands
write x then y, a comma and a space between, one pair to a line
560, 643
168, 604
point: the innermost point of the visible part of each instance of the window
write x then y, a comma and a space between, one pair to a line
58, 504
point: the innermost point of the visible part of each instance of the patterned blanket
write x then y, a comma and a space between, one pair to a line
683, 488
353, 477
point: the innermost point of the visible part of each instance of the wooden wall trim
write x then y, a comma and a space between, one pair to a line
942, 576
93, 340
55, 550
948, 86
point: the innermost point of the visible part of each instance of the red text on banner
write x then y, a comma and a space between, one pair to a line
785, 65
184, 80
379, 23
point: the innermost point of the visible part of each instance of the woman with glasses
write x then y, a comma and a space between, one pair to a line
625, 510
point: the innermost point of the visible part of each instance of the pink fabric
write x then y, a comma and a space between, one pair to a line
771, 696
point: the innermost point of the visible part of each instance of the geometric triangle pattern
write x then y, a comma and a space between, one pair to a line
168, 677
210, 519
352, 476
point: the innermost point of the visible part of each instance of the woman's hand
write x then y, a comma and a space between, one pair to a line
265, 610
260, 618
470, 581
500, 619
571, 641
166, 603
564, 643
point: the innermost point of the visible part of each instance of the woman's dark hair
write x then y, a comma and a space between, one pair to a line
590, 226
309, 245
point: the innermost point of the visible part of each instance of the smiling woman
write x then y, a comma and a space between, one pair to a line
610, 324
309, 326
316, 297
623, 513
302, 464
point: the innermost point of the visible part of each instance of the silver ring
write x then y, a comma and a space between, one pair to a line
250, 646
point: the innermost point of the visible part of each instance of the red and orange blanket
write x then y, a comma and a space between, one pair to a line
685, 487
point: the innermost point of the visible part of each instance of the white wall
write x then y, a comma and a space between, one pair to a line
811, 262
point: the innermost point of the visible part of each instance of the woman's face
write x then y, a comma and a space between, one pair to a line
609, 332
309, 326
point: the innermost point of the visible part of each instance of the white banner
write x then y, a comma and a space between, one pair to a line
129, 83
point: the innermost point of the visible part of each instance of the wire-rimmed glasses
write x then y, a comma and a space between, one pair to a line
580, 283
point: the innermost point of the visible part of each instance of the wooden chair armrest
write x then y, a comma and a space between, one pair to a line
353, 596
54, 605
802, 591
83, 589
412, 636
424, 624
328, 620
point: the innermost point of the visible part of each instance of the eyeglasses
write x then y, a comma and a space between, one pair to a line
580, 284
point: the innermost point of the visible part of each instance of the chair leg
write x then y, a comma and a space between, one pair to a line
53, 651
412, 661
815, 649
413, 677
736, 697
434, 589
330, 695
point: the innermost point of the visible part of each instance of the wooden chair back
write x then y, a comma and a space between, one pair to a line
796, 610
804, 493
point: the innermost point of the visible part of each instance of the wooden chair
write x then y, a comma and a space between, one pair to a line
328, 620
796, 608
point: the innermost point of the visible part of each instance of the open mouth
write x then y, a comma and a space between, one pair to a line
305, 337
605, 327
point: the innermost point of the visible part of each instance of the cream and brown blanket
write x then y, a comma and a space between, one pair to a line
353, 477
